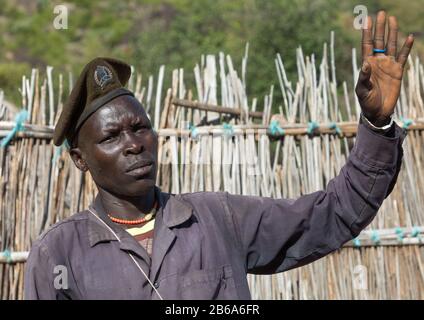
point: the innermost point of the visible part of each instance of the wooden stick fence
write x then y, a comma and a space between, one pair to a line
214, 108
296, 129
245, 155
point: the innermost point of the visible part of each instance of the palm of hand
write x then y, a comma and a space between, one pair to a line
386, 78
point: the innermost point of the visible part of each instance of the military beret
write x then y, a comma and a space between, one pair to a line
101, 80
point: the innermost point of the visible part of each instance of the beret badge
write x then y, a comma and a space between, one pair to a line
102, 76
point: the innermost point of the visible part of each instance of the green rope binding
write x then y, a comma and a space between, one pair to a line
312, 126
357, 242
59, 150
400, 234
375, 237
274, 128
8, 255
334, 126
193, 131
406, 122
19, 121
228, 129
415, 233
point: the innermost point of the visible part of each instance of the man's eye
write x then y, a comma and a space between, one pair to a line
139, 127
108, 138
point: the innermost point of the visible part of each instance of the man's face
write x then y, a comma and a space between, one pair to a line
119, 147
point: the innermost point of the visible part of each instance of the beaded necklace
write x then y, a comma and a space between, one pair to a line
146, 218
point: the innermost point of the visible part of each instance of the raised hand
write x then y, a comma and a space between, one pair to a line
379, 81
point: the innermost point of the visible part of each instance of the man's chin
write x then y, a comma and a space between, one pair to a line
129, 188
142, 186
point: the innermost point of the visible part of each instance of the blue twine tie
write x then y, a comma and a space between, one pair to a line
8, 255
19, 120
59, 150
194, 131
312, 126
399, 233
357, 242
274, 128
406, 122
334, 126
228, 129
415, 232
375, 237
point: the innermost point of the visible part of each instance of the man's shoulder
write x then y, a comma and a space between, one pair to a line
202, 194
203, 197
207, 205
62, 228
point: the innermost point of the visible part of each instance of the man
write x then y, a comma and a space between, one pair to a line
135, 242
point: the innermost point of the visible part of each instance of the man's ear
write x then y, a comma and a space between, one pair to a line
78, 160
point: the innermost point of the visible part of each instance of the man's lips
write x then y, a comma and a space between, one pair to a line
142, 164
141, 171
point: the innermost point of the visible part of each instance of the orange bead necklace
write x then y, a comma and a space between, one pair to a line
146, 218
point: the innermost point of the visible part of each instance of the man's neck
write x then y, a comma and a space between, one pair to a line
128, 208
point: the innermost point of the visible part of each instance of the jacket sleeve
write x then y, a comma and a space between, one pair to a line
275, 235
39, 275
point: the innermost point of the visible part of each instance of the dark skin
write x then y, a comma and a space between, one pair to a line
379, 81
112, 139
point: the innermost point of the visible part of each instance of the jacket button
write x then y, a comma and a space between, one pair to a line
156, 284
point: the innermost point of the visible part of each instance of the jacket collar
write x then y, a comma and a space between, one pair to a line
172, 209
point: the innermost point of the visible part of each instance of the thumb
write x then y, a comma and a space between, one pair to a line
365, 75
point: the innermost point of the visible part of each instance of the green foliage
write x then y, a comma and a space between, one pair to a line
176, 33
11, 80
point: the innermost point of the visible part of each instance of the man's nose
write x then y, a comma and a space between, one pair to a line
133, 144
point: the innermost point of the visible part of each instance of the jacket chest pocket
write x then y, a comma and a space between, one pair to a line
113, 277
207, 284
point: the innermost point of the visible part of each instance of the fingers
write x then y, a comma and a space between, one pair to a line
380, 27
406, 49
365, 75
364, 85
367, 44
392, 37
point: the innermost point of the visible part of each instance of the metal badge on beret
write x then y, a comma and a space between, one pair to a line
102, 76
